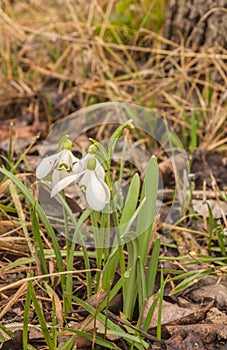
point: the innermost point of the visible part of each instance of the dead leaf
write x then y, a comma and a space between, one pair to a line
211, 288
15, 343
202, 209
216, 316
174, 314
207, 332
175, 343
193, 342
34, 333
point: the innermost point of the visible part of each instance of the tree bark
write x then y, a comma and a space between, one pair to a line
197, 24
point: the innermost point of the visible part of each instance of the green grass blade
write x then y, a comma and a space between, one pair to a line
5, 331
99, 341
68, 345
188, 281
110, 270
159, 325
193, 132
222, 242
147, 322
41, 318
38, 241
26, 319
211, 227
152, 268
141, 284
131, 287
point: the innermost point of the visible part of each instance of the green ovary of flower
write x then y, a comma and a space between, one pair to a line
64, 166
91, 164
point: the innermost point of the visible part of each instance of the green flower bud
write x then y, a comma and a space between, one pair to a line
65, 143
129, 124
92, 149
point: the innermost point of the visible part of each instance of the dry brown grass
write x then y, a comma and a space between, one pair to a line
58, 56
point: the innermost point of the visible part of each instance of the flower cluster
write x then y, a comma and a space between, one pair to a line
87, 173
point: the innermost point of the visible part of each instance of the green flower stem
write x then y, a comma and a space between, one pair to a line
98, 248
67, 305
116, 135
119, 242
105, 222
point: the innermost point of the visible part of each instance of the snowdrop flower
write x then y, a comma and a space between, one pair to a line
61, 165
89, 175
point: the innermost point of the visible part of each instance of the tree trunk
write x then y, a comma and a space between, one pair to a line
197, 24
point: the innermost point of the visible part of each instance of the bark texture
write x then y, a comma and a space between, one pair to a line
197, 24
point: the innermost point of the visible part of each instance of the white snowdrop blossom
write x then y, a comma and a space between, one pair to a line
89, 175
61, 165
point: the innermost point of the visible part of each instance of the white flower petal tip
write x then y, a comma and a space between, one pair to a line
97, 193
45, 166
64, 183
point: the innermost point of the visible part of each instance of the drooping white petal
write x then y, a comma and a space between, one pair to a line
97, 193
64, 183
107, 190
100, 172
55, 177
45, 166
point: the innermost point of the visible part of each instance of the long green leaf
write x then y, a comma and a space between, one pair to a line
131, 200
152, 268
146, 215
141, 284
26, 319
131, 288
188, 281
38, 241
41, 318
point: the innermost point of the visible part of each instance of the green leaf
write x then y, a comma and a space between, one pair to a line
141, 284
152, 269
41, 318
38, 241
131, 200
192, 279
131, 288
146, 215
150, 313
26, 319
4, 330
